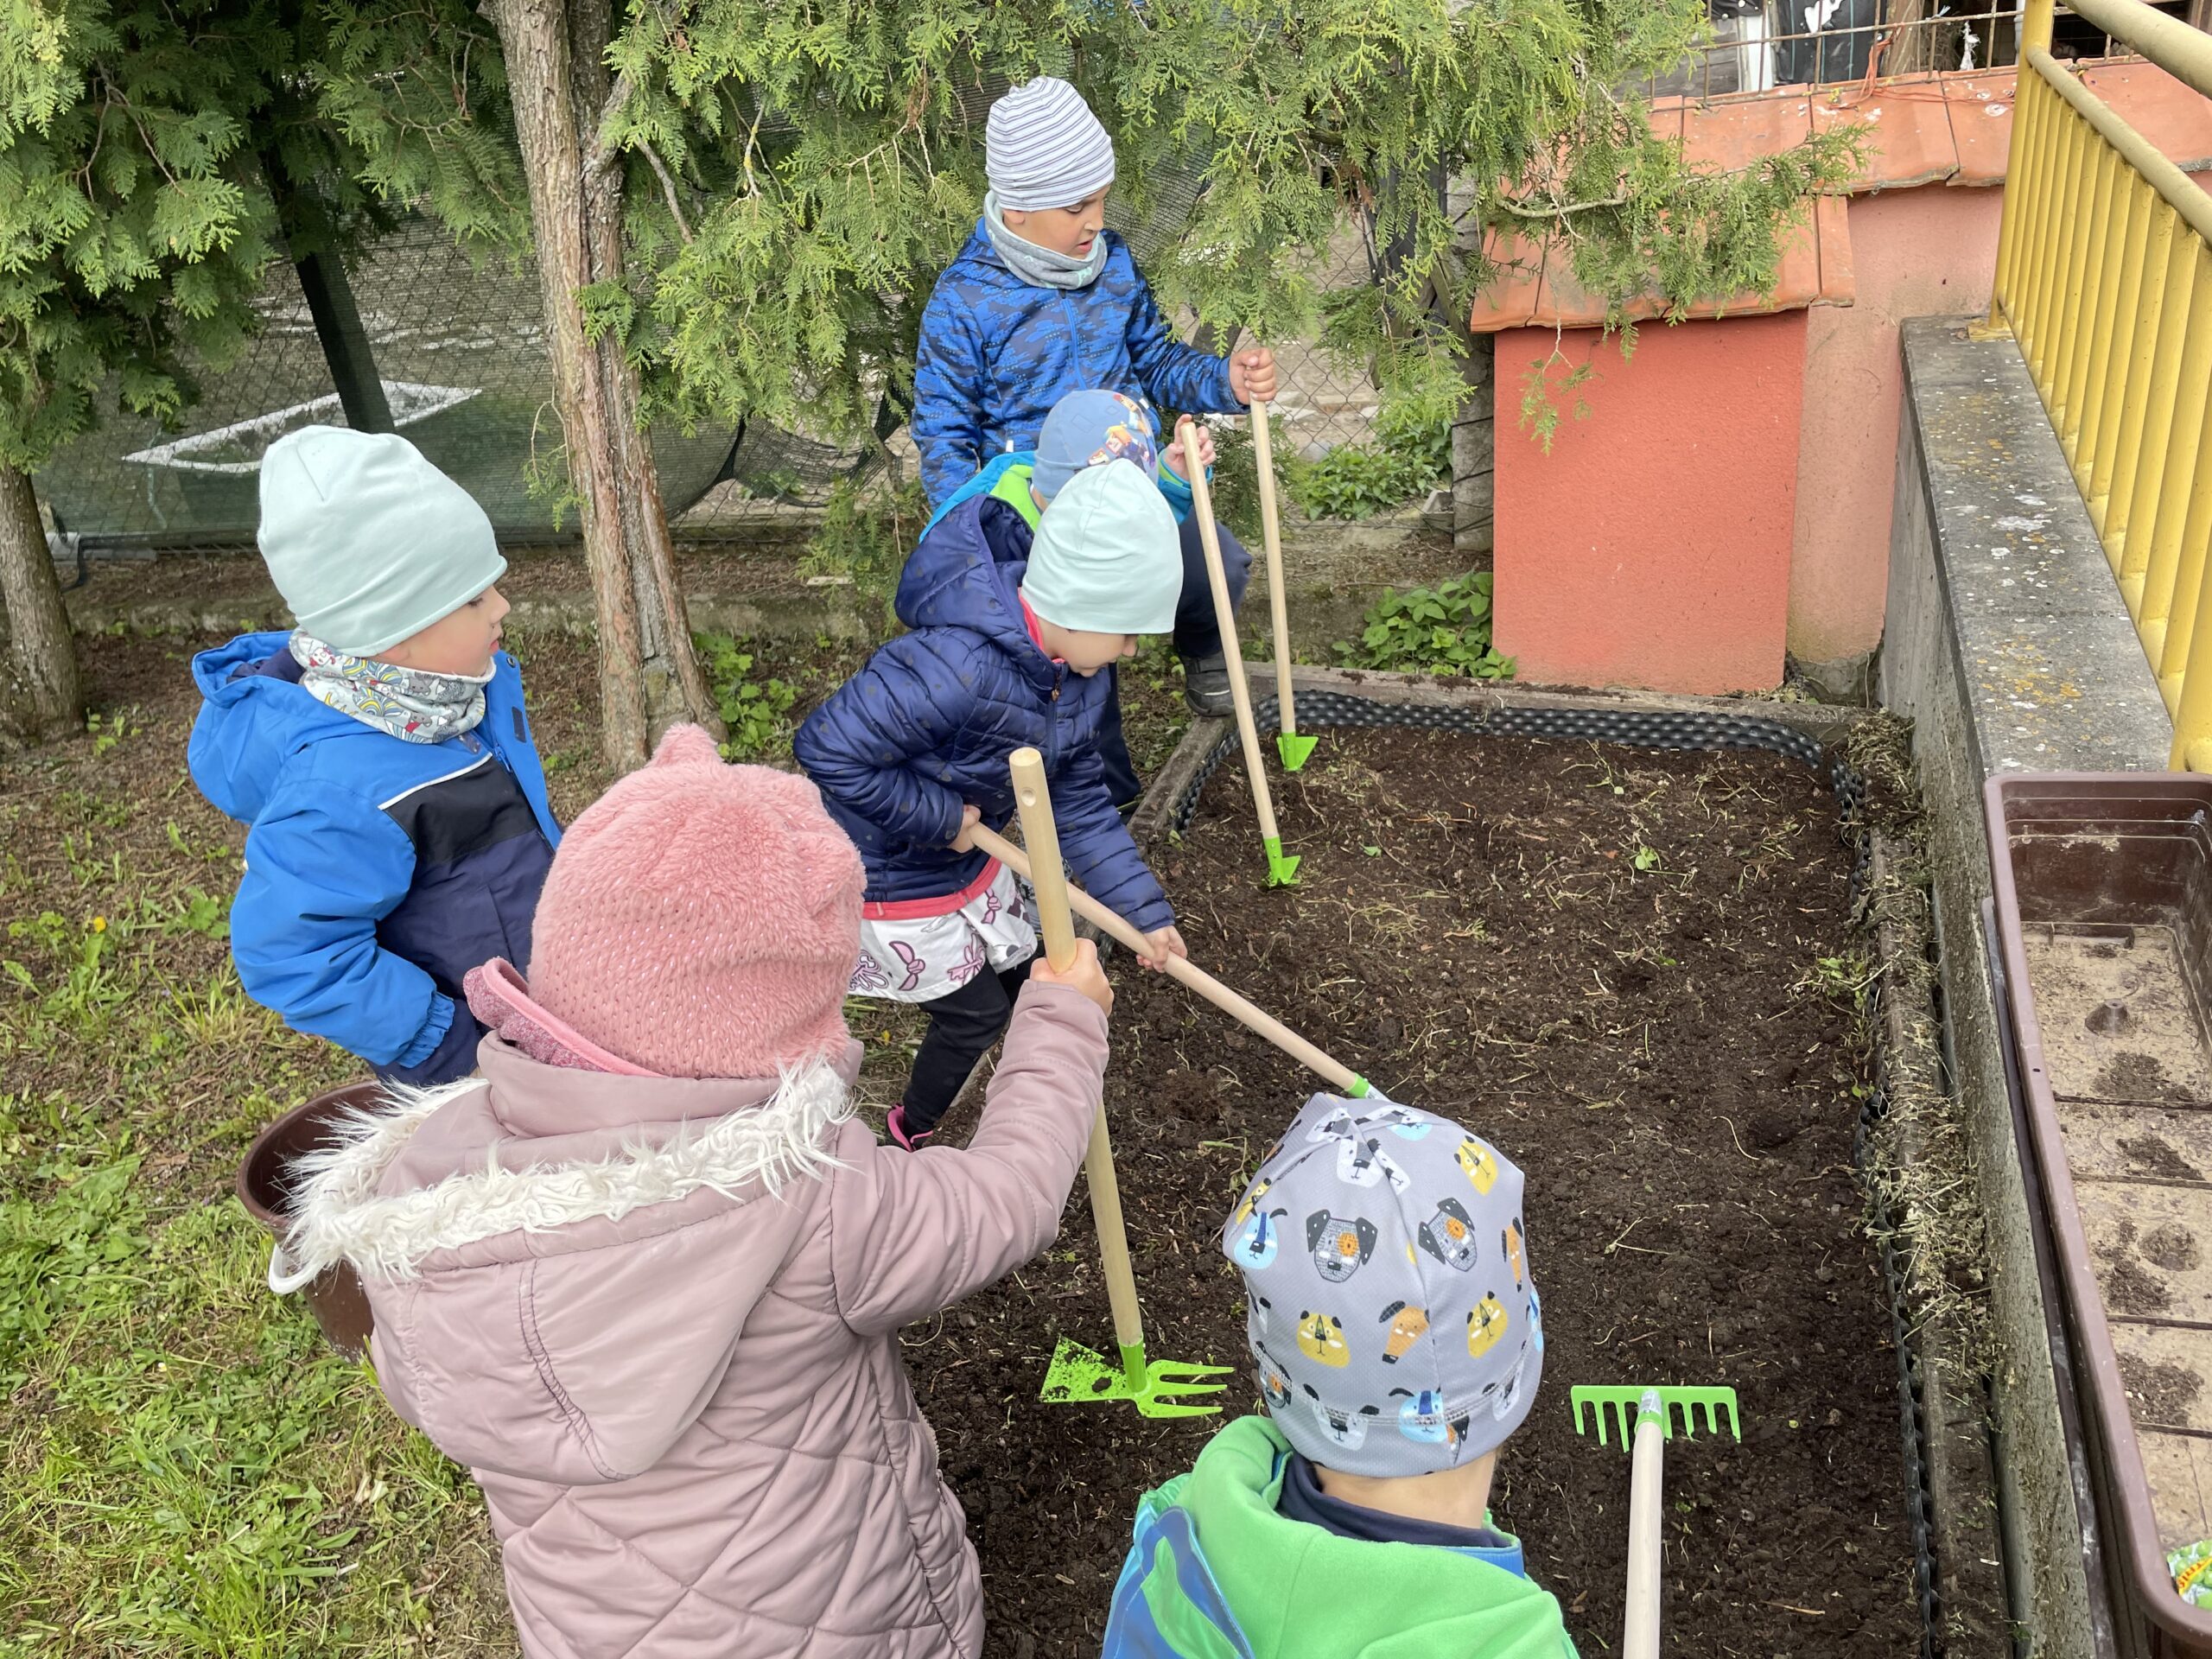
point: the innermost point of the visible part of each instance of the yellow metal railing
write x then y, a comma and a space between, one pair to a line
2104, 274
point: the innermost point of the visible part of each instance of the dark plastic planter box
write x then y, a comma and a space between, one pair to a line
2104, 915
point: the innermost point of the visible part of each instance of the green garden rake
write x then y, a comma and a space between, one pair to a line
1644, 1417
1294, 748
1283, 872
1077, 1375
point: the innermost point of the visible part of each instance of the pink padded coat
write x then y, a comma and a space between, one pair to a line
657, 1318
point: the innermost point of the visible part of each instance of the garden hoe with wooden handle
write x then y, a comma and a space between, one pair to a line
1294, 748
1651, 1411
1281, 872
1346, 1081
1077, 1375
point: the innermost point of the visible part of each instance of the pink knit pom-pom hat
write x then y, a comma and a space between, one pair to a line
701, 919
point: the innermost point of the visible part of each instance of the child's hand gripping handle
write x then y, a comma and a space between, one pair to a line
1049, 878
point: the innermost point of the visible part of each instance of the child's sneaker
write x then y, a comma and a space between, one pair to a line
895, 1122
1205, 686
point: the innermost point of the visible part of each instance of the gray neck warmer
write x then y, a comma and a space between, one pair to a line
1040, 267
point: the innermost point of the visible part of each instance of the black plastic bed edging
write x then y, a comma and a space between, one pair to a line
1686, 729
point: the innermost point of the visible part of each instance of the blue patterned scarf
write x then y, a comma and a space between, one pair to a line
410, 703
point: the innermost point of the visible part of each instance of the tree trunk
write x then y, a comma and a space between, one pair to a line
675, 685
649, 677
42, 693
330, 294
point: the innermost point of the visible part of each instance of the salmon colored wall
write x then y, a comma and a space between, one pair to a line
1930, 252
1651, 546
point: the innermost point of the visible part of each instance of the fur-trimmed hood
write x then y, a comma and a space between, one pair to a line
542, 1234
360, 1202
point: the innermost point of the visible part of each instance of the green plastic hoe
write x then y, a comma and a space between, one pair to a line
1645, 1418
1158, 1388
1282, 871
1293, 749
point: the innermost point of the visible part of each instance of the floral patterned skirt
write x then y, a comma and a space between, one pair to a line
920, 958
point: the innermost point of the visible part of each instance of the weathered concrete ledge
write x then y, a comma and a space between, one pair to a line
2009, 650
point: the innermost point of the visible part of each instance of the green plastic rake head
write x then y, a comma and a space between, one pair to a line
1632, 1404
1078, 1376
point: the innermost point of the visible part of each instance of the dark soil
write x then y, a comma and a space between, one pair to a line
2129, 1286
2138, 1077
2172, 1247
2155, 1154
2163, 1391
1634, 972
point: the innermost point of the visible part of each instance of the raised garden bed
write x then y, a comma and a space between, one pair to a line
1636, 970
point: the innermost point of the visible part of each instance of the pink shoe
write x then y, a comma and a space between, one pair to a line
895, 1122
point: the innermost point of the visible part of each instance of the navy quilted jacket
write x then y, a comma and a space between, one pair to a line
997, 353
925, 727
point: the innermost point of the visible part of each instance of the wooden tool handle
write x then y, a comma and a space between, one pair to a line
1225, 613
1048, 879
1264, 456
1048, 876
1248, 1015
1640, 1626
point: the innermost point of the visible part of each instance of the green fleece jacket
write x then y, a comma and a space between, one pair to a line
1215, 1572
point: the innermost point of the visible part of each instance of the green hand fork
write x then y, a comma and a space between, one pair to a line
1077, 1375
1644, 1417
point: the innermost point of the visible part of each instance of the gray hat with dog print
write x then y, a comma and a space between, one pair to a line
1392, 1318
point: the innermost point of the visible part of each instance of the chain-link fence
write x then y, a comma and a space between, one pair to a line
458, 347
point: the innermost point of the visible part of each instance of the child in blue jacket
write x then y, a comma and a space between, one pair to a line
398, 827
1044, 300
1085, 429
1005, 653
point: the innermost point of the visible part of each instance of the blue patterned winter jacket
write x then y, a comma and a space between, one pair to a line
997, 353
925, 727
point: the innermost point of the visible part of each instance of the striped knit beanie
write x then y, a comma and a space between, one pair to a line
1043, 148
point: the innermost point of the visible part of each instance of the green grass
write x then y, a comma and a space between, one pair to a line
185, 1467
203, 1476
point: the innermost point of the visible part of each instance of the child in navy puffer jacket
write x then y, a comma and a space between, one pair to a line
398, 827
1006, 652
1045, 301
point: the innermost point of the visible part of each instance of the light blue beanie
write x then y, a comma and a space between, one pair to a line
367, 541
1106, 558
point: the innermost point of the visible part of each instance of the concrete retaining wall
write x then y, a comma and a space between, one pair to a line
2008, 647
